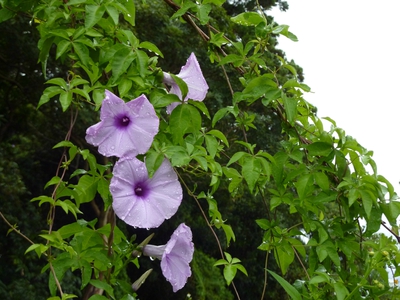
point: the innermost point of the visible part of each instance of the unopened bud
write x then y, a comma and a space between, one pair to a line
137, 284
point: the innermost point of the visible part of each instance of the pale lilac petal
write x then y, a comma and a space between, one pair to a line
139, 200
124, 128
183, 243
154, 251
175, 256
172, 106
194, 79
112, 105
192, 75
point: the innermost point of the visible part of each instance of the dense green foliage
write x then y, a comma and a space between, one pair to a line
276, 202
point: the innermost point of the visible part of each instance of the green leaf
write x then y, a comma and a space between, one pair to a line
44, 46
200, 106
203, 11
58, 81
130, 15
124, 87
228, 233
93, 14
340, 290
82, 51
104, 286
284, 30
236, 157
103, 188
160, 100
67, 144
319, 149
318, 279
251, 170
122, 59
234, 59
248, 19
153, 161
142, 61
151, 47
222, 112
216, 2
184, 119
113, 13
5, 14
294, 83
263, 223
53, 181
44, 199
70, 229
219, 135
62, 47
65, 99
322, 180
290, 107
86, 189
184, 8
98, 297
367, 200
284, 255
182, 85
211, 145
303, 185
291, 290
258, 87
49, 93
229, 273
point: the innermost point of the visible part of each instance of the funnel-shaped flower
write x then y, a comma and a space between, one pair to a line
194, 79
141, 201
175, 256
124, 128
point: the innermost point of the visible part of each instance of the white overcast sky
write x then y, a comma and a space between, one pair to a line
350, 53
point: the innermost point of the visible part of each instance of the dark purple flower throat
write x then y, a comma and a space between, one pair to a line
141, 189
122, 121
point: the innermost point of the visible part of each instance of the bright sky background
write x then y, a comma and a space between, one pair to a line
350, 53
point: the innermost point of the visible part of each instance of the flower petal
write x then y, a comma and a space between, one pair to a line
125, 128
149, 207
193, 77
111, 105
177, 256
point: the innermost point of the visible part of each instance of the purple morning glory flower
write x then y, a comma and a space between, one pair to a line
175, 256
141, 201
124, 128
193, 77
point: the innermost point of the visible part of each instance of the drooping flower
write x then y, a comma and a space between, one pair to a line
124, 128
141, 201
175, 256
194, 79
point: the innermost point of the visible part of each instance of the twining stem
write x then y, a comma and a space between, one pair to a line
301, 263
265, 275
209, 226
15, 229
52, 212
391, 231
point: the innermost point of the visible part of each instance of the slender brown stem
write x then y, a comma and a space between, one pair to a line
209, 226
302, 265
56, 279
391, 231
265, 275
15, 229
